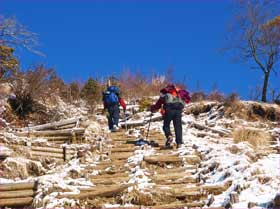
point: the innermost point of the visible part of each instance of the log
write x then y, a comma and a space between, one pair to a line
117, 149
177, 187
47, 154
197, 204
174, 170
17, 186
47, 149
192, 159
16, 194
131, 124
174, 178
57, 138
53, 125
120, 156
15, 202
108, 176
110, 181
204, 127
98, 192
217, 189
67, 132
155, 159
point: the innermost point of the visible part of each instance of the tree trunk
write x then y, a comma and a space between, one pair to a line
265, 84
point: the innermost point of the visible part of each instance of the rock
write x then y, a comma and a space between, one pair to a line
276, 201
252, 204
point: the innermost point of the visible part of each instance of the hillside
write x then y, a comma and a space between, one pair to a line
230, 158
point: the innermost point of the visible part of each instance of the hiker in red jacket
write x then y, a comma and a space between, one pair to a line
172, 102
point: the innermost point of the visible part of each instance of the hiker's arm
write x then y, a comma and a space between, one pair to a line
122, 103
158, 104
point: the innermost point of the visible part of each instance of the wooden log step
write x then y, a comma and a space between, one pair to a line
47, 149
16, 202
54, 125
52, 150
120, 149
187, 196
121, 145
189, 171
108, 176
106, 191
217, 189
113, 170
16, 194
174, 187
17, 186
174, 178
106, 164
196, 204
57, 138
120, 156
110, 181
155, 159
192, 159
67, 132
47, 154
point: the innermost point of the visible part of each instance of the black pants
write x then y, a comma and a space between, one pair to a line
175, 116
114, 115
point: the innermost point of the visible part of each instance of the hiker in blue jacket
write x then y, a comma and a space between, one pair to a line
111, 102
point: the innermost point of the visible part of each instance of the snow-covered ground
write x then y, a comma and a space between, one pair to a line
255, 171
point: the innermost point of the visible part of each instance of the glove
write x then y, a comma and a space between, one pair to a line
152, 109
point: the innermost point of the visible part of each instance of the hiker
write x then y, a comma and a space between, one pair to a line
111, 102
171, 103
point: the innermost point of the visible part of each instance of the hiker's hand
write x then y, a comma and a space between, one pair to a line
152, 109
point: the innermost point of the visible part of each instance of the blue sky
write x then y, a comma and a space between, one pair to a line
98, 38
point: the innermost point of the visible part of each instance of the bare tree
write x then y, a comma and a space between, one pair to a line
255, 37
14, 34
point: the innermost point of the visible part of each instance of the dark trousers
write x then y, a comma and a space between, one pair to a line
114, 114
175, 116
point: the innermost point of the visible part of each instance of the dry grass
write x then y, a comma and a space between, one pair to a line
137, 198
254, 137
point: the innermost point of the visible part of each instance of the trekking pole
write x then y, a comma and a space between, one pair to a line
149, 127
125, 121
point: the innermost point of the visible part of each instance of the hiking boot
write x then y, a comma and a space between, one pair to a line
168, 142
179, 146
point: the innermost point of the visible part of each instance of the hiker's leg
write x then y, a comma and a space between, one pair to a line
166, 123
177, 122
116, 115
110, 118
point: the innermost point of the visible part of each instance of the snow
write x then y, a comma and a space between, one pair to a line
236, 167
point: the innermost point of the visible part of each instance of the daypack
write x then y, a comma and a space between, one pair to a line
111, 96
114, 89
184, 95
173, 95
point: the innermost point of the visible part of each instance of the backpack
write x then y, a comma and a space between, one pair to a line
175, 97
110, 97
184, 95
114, 89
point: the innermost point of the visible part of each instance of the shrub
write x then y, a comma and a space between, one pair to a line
256, 138
91, 92
216, 96
198, 96
145, 103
